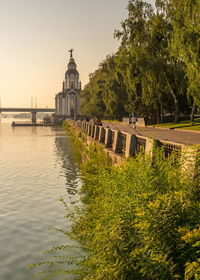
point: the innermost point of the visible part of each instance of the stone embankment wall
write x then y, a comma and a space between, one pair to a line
119, 145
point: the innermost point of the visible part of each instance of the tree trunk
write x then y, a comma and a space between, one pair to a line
161, 113
176, 105
158, 113
192, 112
177, 112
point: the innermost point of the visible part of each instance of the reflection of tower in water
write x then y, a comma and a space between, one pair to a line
64, 154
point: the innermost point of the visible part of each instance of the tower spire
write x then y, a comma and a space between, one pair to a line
71, 52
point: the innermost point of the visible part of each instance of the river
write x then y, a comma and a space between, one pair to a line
37, 169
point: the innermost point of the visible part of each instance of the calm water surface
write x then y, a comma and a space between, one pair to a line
37, 169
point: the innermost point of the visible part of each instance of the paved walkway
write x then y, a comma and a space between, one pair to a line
183, 137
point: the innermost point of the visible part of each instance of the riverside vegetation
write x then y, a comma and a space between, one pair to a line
139, 220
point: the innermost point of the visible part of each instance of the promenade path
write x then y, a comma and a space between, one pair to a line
178, 136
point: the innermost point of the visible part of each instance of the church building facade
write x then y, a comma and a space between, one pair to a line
67, 102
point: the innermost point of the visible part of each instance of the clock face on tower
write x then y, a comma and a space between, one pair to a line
72, 76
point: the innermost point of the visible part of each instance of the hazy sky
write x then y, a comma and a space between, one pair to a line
36, 36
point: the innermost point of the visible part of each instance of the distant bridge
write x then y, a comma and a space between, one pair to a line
33, 111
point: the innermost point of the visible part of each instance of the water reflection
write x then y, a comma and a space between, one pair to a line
69, 165
38, 168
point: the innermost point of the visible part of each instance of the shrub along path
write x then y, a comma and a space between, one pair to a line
183, 137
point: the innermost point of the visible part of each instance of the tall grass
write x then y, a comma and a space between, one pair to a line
140, 220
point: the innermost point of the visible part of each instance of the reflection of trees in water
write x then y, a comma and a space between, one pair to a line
64, 153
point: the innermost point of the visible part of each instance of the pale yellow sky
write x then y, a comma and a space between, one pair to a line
36, 36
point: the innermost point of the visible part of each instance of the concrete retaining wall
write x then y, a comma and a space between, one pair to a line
119, 145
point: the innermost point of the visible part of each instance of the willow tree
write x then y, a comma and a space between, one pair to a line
133, 38
105, 94
185, 41
115, 96
92, 95
155, 93
151, 72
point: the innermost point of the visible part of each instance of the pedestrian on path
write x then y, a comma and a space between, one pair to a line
98, 121
146, 120
133, 121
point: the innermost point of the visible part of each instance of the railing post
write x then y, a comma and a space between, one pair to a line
108, 137
101, 134
189, 160
117, 143
89, 129
149, 146
131, 143
82, 126
92, 130
87, 126
96, 132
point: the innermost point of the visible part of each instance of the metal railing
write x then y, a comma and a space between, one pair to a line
171, 149
141, 144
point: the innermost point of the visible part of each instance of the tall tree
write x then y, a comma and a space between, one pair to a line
185, 41
105, 94
151, 72
133, 38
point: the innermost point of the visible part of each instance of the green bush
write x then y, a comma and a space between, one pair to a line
140, 220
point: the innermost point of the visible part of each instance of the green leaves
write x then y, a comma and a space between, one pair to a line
156, 68
140, 221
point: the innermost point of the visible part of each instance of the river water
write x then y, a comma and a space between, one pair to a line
37, 169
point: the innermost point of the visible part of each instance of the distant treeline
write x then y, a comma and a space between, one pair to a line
156, 68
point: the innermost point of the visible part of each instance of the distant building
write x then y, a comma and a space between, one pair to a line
67, 102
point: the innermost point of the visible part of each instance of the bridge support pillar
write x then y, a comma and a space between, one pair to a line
33, 117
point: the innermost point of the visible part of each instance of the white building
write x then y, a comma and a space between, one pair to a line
67, 102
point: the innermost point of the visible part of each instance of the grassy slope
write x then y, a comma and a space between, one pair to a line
139, 220
182, 125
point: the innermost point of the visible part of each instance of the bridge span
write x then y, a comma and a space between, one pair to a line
33, 111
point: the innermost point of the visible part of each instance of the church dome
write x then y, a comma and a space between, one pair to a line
71, 67
71, 71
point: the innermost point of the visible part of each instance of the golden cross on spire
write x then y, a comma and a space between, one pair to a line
71, 51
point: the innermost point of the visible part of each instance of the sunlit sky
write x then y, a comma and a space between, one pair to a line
36, 36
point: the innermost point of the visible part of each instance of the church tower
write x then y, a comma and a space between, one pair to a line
72, 75
68, 101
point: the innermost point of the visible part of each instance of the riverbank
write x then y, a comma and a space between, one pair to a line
140, 220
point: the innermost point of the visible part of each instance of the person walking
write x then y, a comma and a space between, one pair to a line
146, 120
133, 121
98, 121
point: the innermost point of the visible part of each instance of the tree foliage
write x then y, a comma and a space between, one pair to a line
156, 68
